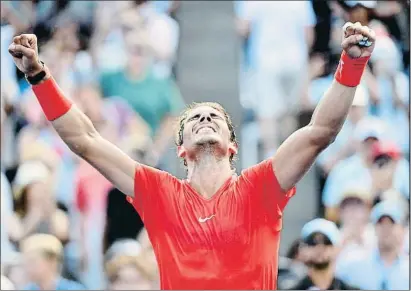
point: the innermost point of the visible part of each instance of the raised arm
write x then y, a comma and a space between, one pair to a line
296, 155
73, 126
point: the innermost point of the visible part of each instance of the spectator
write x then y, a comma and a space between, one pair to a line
279, 66
124, 127
385, 268
294, 252
6, 205
321, 239
163, 36
357, 235
386, 158
355, 171
391, 88
119, 213
125, 267
36, 209
91, 197
359, 11
157, 101
43, 255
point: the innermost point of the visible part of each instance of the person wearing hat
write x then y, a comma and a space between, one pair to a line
355, 171
386, 157
386, 267
35, 207
43, 257
357, 234
321, 239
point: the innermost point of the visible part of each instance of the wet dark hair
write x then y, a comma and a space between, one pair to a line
184, 115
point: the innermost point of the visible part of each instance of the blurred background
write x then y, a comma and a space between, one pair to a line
132, 66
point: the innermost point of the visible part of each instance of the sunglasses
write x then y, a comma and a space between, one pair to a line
316, 239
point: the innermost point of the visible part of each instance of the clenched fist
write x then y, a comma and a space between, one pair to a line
358, 41
25, 54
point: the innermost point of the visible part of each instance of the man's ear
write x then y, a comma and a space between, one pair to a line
181, 152
233, 149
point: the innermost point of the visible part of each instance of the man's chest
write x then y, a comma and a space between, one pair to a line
209, 222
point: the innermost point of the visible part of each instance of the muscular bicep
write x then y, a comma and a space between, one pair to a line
112, 163
296, 155
78, 132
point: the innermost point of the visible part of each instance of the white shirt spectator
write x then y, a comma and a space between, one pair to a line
277, 39
163, 33
354, 250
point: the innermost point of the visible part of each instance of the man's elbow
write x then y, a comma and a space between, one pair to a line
321, 137
82, 145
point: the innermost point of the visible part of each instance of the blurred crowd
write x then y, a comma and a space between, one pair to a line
64, 226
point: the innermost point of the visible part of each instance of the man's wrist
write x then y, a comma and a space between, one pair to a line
350, 71
43, 74
39, 67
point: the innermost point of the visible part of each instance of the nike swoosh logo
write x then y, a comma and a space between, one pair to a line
202, 220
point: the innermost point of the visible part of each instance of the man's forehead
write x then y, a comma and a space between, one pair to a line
204, 109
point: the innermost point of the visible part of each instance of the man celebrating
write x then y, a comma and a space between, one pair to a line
214, 230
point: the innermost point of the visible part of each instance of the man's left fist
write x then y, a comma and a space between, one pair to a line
354, 35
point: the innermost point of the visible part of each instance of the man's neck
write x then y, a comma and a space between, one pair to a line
322, 278
208, 174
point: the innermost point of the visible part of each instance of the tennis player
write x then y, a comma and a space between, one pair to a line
213, 230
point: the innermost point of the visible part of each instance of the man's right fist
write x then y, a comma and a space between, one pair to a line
25, 54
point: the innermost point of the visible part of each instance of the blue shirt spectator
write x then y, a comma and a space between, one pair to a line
377, 270
354, 172
370, 273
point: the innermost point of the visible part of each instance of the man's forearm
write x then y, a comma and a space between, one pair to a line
331, 112
72, 125
333, 108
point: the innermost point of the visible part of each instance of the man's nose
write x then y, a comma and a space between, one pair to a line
205, 117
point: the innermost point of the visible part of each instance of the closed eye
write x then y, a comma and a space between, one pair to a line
213, 115
197, 116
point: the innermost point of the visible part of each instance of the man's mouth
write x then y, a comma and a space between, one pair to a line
205, 127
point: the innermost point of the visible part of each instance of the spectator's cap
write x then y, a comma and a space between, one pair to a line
369, 127
386, 148
360, 194
124, 247
320, 225
366, 4
44, 243
361, 97
387, 208
27, 173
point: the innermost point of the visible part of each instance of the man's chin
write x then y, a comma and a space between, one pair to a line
207, 140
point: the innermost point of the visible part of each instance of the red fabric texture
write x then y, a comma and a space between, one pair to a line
349, 71
230, 241
51, 99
